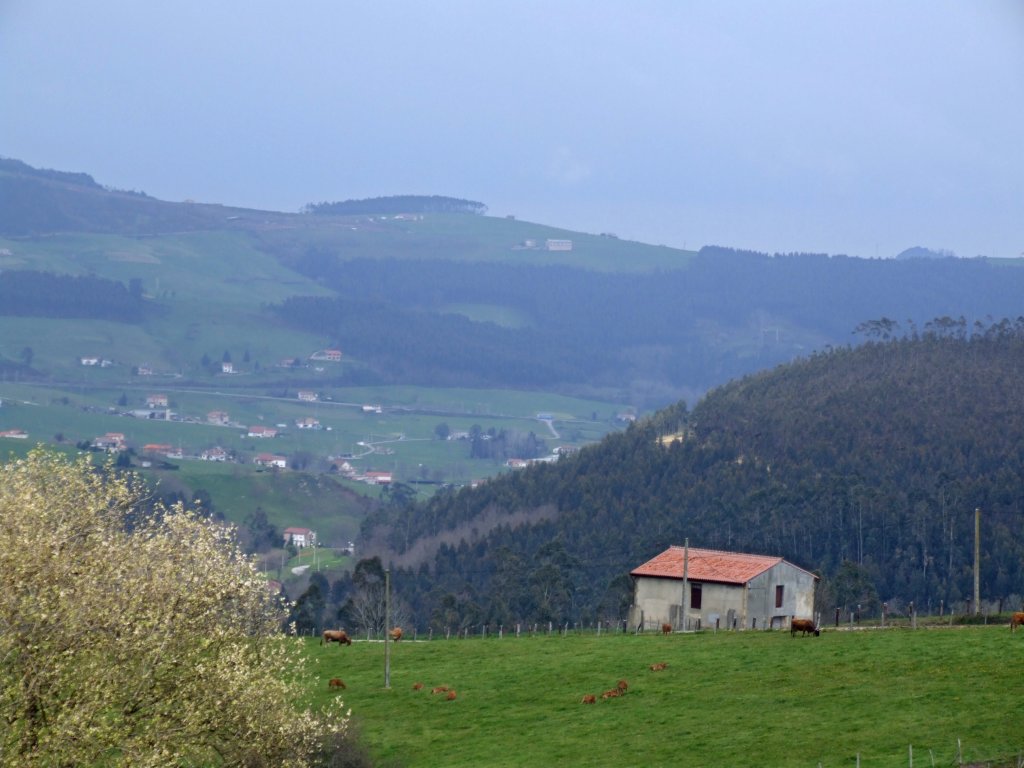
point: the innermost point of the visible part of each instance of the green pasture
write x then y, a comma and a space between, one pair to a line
463, 237
725, 699
401, 438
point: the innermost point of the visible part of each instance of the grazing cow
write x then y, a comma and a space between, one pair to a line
336, 682
659, 666
1017, 620
666, 629
804, 626
623, 686
339, 636
439, 689
613, 693
396, 634
417, 686
450, 696
589, 699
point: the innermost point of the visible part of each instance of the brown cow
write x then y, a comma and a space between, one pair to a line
451, 696
1017, 620
417, 686
589, 699
666, 629
804, 626
336, 682
623, 686
440, 689
659, 666
339, 636
396, 634
613, 693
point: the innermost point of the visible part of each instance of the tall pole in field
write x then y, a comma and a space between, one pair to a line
686, 589
977, 561
387, 623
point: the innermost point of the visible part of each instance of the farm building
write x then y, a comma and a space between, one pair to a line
725, 589
300, 537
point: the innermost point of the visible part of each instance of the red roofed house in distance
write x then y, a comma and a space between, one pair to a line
727, 590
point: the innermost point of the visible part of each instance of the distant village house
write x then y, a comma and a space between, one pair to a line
111, 441
214, 454
271, 460
220, 418
330, 355
299, 537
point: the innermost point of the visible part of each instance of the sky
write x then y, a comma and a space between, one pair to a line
859, 128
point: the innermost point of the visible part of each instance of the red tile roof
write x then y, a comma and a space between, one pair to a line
707, 565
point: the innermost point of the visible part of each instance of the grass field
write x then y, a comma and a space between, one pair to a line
725, 699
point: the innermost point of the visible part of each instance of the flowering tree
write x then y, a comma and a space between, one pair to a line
137, 639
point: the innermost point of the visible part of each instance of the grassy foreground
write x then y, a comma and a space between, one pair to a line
726, 699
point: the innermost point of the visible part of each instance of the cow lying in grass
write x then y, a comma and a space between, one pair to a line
659, 666
589, 699
336, 682
1017, 620
804, 626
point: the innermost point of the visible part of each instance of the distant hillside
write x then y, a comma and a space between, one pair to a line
864, 464
34, 202
398, 204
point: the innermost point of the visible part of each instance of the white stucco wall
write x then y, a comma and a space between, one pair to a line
658, 601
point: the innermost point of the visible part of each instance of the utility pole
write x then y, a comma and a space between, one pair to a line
387, 625
686, 586
977, 561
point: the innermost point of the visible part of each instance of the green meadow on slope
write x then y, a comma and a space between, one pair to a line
725, 699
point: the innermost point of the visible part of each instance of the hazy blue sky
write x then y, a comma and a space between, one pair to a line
843, 127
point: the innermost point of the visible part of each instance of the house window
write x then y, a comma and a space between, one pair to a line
695, 596
778, 595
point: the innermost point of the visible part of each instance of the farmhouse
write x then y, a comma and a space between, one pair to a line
726, 589
331, 355
307, 423
271, 460
111, 441
300, 537
214, 454
261, 431
217, 417
377, 478
18, 434
308, 396
156, 401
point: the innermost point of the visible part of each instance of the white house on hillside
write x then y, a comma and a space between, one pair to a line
730, 590
300, 537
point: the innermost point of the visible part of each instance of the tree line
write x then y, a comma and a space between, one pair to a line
397, 204
30, 293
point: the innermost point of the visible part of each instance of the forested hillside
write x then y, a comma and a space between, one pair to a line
863, 464
648, 337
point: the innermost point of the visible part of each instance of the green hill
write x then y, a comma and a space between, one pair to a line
466, 341
863, 464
